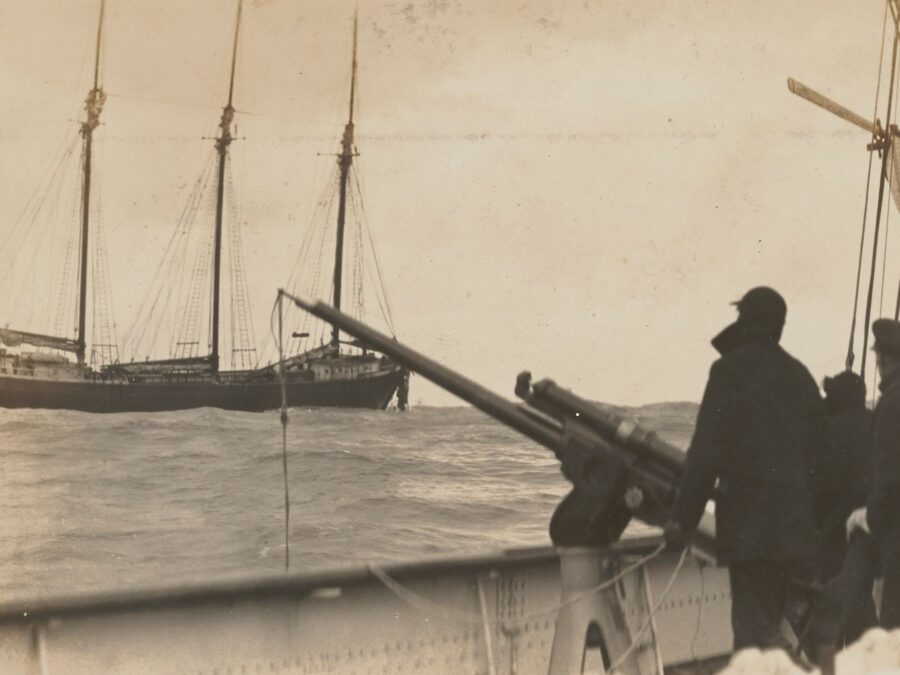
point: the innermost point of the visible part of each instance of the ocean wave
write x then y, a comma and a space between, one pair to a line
126, 498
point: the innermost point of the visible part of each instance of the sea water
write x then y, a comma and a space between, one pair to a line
91, 502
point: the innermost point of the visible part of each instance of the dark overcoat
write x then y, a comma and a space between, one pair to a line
757, 431
843, 481
883, 512
883, 507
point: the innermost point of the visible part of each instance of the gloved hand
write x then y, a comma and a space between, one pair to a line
858, 521
675, 537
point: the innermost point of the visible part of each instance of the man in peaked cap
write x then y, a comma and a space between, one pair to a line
756, 430
881, 515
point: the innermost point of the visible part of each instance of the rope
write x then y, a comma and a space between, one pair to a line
279, 304
653, 611
850, 355
881, 183
423, 604
386, 308
887, 219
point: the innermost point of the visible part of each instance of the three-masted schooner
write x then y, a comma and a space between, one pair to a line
326, 375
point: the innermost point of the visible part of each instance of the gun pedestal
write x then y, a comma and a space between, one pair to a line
594, 630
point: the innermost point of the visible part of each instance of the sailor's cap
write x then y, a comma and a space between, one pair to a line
762, 304
761, 309
887, 336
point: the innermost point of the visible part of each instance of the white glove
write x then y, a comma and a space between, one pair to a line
858, 521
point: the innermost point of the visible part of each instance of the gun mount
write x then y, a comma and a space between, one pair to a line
618, 469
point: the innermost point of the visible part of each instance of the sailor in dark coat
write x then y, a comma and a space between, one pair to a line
843, 478
756, 430
881, 516
844, 466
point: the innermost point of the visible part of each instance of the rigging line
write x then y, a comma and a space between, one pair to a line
850, 355
354, 259
327, 213
887, 219
146, 99
279, 305
172, 257
67, 147
293, 278
199, 279
879, 204
324, 241
389, 317
386, 307
240, 302
324, 202
104, 306
862, 242
653, 612
70, 262
423, 604
189, 243
49, 222
375, 282
360, 269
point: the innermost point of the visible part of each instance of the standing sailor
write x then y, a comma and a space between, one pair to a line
843, 481
755, 433
844, 467
881, 516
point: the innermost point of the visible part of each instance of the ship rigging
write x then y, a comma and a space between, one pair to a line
194, 307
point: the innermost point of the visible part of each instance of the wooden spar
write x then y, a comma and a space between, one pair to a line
345, 160
882, 141
222, 143
826, 103
93, 105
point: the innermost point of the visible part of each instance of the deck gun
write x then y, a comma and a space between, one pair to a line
618, 468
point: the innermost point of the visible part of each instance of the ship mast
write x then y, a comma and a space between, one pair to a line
345, 160
883, 139
93, 105
222, 143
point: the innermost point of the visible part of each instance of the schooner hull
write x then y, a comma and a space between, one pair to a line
372, 391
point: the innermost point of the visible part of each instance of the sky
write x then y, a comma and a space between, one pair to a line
577, 188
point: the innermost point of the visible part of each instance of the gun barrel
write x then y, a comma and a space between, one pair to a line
485, 400
613, 428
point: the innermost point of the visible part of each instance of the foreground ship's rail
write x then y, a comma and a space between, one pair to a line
476, 614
